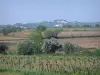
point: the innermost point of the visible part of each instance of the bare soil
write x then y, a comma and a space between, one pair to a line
78, 33
93, 42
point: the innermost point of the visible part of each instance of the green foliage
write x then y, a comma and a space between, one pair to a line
87, 52
8, 29
27, 48
97, 52
91, 53
50, 65
50, 34
36, 37
10, 52
70, 48
97, 25
41, 28
51, 45
3, 48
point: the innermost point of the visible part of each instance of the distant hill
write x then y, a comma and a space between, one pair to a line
59, 23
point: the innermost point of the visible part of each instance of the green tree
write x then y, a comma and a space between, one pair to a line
9, 29
6, 30
41, 28
97, 25
36, 37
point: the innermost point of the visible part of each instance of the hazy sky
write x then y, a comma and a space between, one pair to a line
23, 11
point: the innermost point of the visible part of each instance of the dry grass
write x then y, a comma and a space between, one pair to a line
78, 33
15, 36
22, 34
51, 63
9, 38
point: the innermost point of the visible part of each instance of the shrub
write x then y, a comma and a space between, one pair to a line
27, 48
97, 52
57, 30
87, 52
70, 48
51, 45
91, 53
3, 48
41, 28
9, 52
49, 34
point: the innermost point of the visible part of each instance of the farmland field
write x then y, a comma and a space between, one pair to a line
91, 42
55, 64
52, 64
81, 29
79, 33
50, 37
86, 42
10, 38
77, 29
15, 36
85, 39
23, 34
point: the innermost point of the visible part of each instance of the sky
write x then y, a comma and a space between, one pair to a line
30, 11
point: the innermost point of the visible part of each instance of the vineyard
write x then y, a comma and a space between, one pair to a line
71, 65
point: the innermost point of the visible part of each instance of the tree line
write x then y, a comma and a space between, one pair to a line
9, 29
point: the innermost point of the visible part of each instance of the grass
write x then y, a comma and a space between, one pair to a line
9, 73
49, 63
10, 38
26, 72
